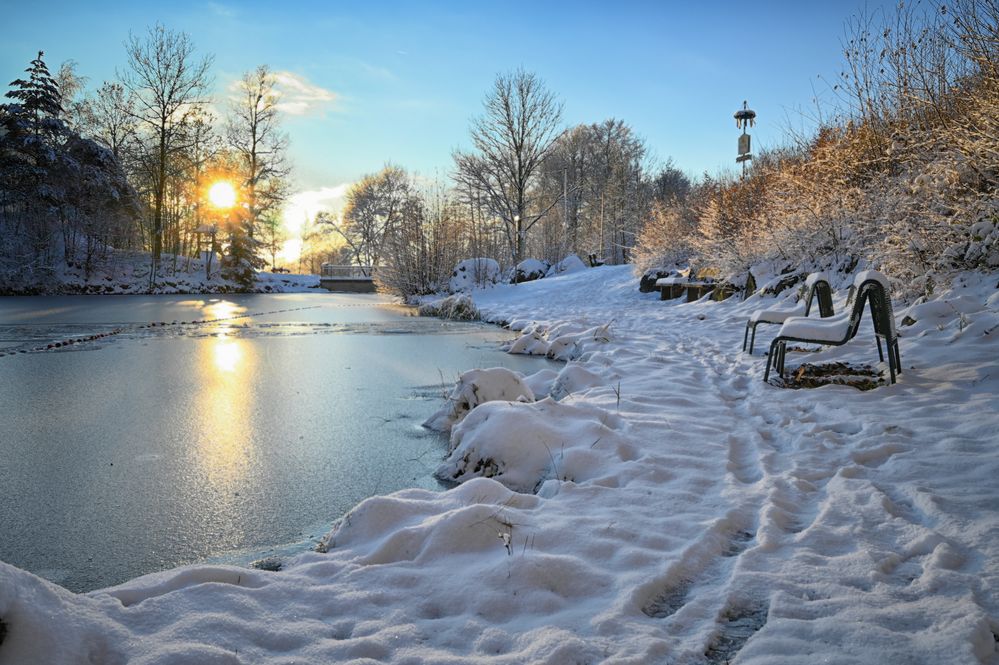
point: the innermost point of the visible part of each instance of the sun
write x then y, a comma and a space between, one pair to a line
222, 194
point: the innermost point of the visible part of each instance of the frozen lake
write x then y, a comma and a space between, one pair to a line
164, 445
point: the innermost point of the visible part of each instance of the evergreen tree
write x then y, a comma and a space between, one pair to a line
242, 257
37, 106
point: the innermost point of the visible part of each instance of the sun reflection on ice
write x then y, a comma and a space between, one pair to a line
222, 309
227, 354
225, 443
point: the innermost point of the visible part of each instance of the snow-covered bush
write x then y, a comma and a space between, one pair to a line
472, 273
522, 445
458, 307
559, 342
664, 243
476, 387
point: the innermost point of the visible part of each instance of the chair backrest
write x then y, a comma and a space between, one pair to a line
818, 287
873, 289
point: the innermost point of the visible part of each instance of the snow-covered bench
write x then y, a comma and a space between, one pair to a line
673, 287
816, 285
670, 287
872, 289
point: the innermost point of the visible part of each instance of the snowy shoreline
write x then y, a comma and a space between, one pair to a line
685, 511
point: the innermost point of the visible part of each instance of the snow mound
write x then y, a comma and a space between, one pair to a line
574, 378
541, 382
472, 273
557, 342
571, 263
522, 445
476, 387
417, 525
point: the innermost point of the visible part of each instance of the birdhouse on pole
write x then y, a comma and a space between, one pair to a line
744, 119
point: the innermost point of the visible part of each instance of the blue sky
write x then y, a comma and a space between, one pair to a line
394, 81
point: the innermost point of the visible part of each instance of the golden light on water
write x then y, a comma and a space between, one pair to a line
222, 309
222, 194
227, 367
227, 355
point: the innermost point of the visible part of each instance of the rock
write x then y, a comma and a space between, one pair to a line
529, 270
648, 282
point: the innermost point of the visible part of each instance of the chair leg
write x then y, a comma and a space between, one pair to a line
781, 357
898, 357
752, 341
881, 355
770, 361
745, 337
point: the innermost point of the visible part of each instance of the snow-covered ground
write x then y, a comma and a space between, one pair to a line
684, 512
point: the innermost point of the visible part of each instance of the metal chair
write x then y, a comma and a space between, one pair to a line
817, 285
872, 289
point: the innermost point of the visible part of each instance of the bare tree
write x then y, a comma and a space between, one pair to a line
253, 132
111, 119
168, 85
273, 236
373, 208
511, 140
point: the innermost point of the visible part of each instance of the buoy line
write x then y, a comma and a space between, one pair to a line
52, 346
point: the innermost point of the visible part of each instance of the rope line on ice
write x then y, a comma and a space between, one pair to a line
52, 346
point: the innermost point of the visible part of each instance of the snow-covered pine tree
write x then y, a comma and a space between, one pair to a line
39, 100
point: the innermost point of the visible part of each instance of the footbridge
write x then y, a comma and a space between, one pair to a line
347, 278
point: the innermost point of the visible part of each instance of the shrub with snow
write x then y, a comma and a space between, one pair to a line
522, 445
559, 342
458, 307
472, 273
476, 387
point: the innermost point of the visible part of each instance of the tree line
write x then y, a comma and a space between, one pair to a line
128, 165
527, 187
901, 173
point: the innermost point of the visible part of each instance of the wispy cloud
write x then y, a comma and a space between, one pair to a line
299, 96
219, 9
304, 205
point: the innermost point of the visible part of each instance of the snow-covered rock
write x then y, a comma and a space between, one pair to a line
529, 270
571, 263
473, 273
476, 387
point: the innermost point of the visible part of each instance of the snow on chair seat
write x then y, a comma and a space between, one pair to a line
817, 286
823, 330
777, 315
872, 289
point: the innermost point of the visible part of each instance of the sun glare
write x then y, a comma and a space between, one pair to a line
222, 194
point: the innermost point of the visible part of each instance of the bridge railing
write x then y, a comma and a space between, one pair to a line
332, 271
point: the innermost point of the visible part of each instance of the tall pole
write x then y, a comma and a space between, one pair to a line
744, 118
